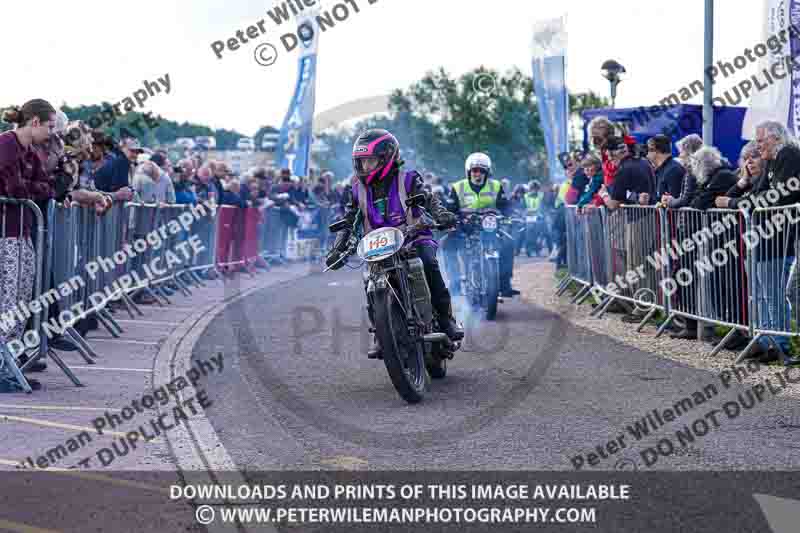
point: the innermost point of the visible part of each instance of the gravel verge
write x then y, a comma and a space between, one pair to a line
538, 283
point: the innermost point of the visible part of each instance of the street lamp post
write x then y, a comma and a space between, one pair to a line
708, 88
612, 70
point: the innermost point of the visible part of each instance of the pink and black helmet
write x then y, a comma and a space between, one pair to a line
375, 143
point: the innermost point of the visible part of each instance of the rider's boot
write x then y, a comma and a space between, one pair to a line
449, 326
507, 291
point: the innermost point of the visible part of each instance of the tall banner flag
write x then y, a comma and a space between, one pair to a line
294, 144
779, 101
549, 70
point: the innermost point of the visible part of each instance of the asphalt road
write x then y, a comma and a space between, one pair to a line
524, 397
527, 392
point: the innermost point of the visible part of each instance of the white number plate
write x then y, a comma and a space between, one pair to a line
531, 219
489, 223
380, 243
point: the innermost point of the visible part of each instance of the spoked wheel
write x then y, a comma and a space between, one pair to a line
403, 355
492, 289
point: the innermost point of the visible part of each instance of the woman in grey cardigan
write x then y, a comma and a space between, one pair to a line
686, 148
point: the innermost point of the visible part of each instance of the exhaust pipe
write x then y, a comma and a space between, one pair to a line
435, 337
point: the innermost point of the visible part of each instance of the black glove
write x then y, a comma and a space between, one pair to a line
332, 258
447, 219
340, 244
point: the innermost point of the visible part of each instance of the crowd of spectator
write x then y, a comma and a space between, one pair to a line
46, 157
617, 173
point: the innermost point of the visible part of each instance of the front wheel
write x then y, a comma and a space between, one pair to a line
437, 365
492, 289
403, 355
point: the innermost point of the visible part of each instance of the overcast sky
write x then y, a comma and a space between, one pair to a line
104, 50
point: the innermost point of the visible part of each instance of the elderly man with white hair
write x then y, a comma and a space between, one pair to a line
774, 256
152, 186
714, 177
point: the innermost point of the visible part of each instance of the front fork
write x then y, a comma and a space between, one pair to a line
375, 287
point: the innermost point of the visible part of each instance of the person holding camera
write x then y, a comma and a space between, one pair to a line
113, 165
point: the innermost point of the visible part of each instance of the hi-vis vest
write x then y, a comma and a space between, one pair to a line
467, 198
533, 201
562, 193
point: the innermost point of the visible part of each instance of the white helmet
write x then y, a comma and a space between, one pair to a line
61, 122
479, 160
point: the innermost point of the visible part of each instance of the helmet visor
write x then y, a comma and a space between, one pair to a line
478, 173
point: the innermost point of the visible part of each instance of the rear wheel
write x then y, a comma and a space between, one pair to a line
492, 289
403, 355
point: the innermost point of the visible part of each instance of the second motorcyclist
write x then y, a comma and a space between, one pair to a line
480, 191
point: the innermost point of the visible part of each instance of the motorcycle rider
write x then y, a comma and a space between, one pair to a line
379, 189
479, 191
534, 202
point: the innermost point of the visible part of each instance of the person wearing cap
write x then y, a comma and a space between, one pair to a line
113, 174
633, 183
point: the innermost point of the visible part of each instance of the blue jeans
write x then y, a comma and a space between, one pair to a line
770, 291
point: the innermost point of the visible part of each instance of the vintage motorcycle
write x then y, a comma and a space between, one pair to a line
535, 228
405, 322
484, 231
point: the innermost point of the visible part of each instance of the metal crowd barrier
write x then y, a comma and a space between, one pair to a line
68, 272
721, 267
634, 235
273, 235
579, 269
773, 296
20, 212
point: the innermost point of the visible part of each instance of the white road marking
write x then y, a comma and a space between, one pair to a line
58, 425
56, 407
93, 367
148, 322
195, 457
121, 341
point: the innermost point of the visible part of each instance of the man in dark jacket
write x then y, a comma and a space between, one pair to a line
633, 181
633, 184
777, 186
669, 173
113, 176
